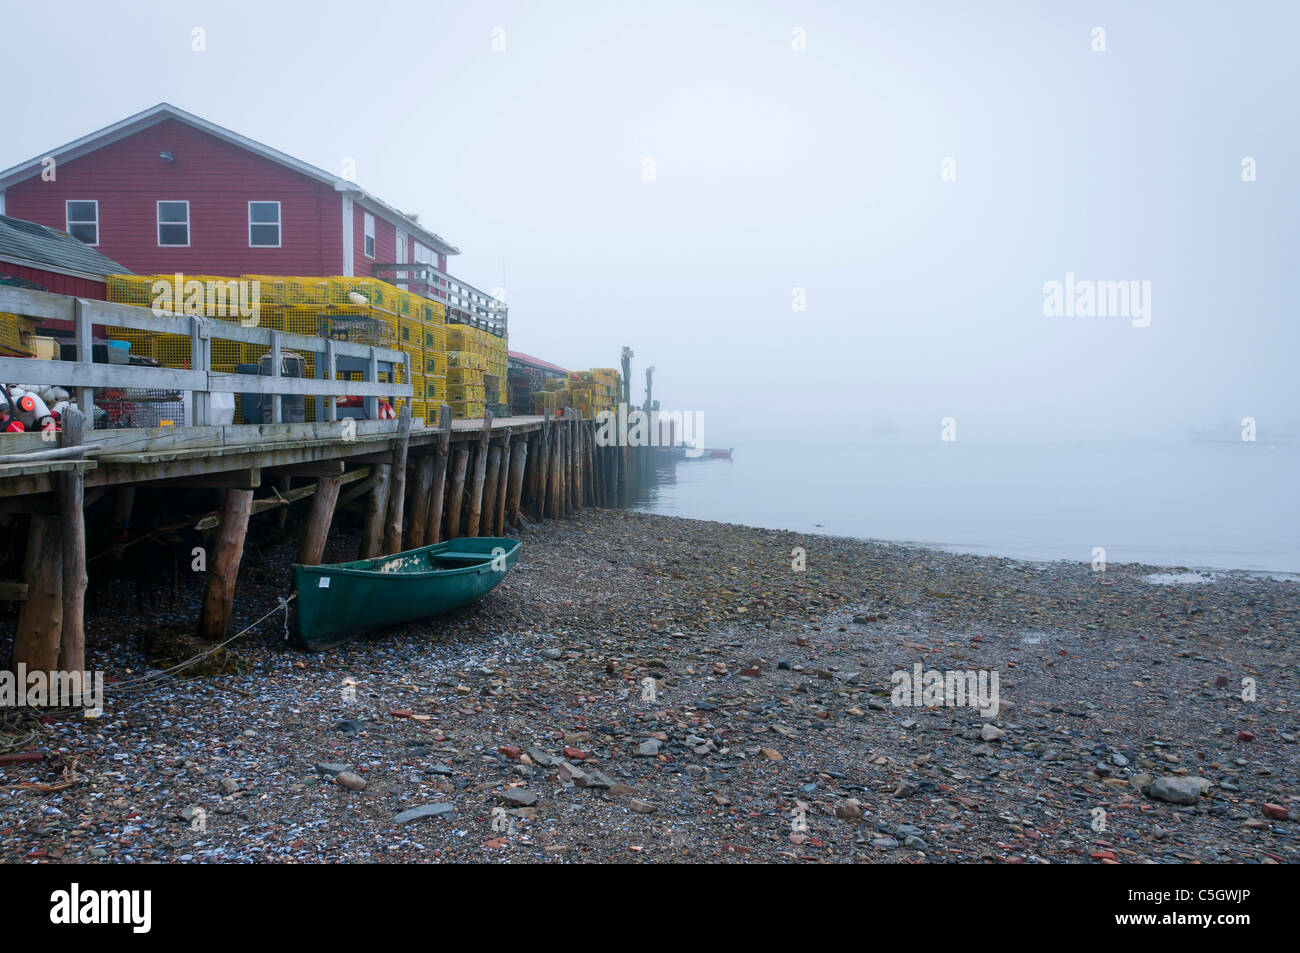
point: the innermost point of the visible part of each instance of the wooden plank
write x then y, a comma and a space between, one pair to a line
503, 480
79, 374
223, 567
260, 384
13, 591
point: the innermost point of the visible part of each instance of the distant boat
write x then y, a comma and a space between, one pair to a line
679, 453
339, 601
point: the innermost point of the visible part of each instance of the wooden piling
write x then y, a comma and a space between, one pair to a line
492, 478
518, 466
438, 486
223, 567
498, 526
397, 493
554, 490
40, 618
372, 535
480, 476
543, 464
72, 487
421, 489
315, 531
456, 490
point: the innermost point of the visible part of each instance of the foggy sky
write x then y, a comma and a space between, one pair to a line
777, 169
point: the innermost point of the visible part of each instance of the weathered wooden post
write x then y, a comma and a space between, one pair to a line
456, 491
480, 474
372, 536
543, 464
72, 484
37, 635
553, 493
397, 494
498, 526
223, 567
316, 530
518, 466
438, 486
490, 482
421, 488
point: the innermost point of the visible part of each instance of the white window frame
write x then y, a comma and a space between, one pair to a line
159, 223
403, 253
68, 223
368, 235
279, 222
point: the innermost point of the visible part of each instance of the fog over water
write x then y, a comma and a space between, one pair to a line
819, 219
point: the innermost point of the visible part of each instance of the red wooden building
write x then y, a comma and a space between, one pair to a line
165, 191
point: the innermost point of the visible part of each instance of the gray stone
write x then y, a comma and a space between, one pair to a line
649, 748
520, 797
1176, 790
426, 810
330, 770
642, 807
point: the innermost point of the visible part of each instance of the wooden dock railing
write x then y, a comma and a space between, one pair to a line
85, 375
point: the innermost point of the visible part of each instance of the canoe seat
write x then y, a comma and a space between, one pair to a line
475, 557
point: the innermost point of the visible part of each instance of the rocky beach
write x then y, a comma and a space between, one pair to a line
645, 688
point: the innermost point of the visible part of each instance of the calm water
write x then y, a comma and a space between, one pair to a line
1219, 506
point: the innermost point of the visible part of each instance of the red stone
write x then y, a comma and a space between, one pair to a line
510, 751
1102, 855
401, 713
1276, 811
1244, 735
577, 754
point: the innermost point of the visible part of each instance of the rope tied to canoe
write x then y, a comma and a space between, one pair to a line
145, 681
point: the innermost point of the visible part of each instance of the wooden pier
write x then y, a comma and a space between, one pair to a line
419, 482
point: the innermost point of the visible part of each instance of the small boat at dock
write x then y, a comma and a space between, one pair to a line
339, 601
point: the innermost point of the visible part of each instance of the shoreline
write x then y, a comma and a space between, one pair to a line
772, 691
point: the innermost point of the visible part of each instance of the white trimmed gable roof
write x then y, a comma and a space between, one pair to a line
163, 111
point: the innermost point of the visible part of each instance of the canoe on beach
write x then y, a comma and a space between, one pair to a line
339, 601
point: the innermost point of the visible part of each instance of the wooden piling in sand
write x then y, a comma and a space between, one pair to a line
490, 480
518, 467
397, 493
316, 530
439, 481
543, 463
372, 536
498, 526
480, 476
456, 491
421, 490
223, 566
71, 514
40, 617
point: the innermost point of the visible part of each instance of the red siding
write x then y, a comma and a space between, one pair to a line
56, 283
218, 179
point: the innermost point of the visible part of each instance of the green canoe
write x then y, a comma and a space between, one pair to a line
339, 601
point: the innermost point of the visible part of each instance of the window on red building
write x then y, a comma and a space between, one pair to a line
83, 220
263, 224
173, 224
